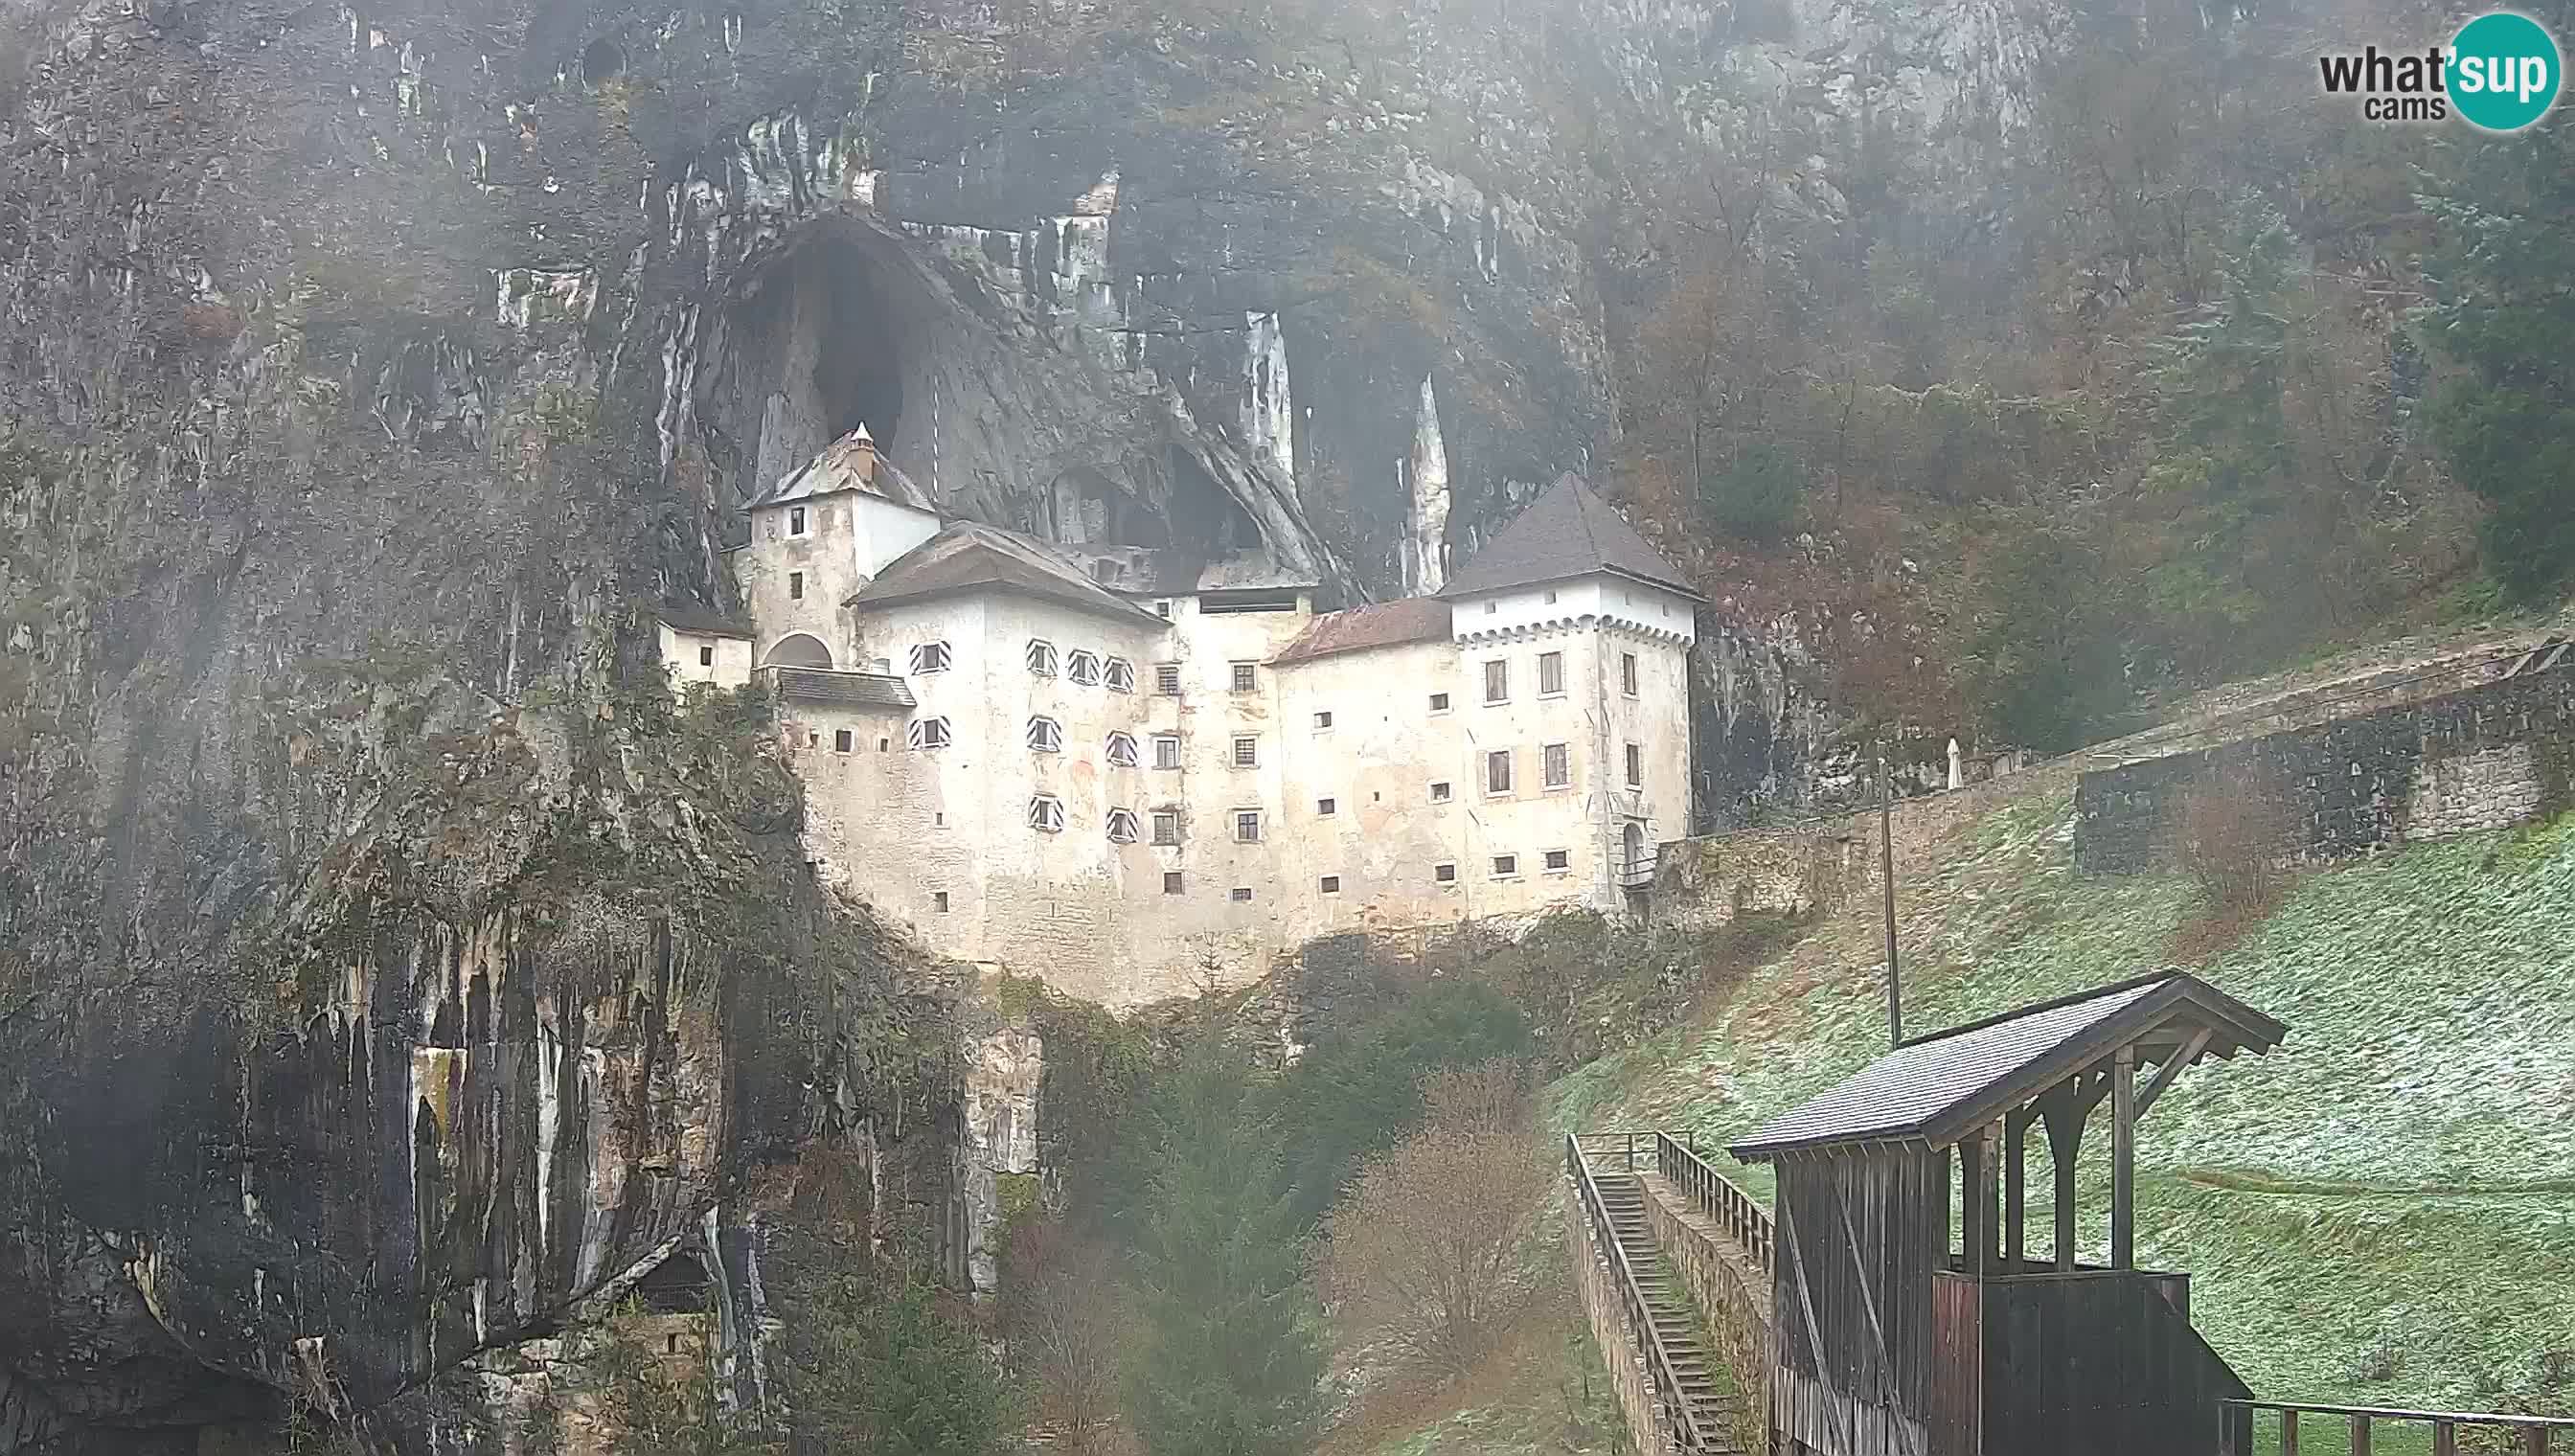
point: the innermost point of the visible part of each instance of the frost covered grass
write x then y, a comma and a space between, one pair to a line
2381, 1211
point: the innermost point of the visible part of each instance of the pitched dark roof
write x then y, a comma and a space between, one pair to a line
1940, 1087
1139, 571
850, 463
705, 621
1569, 531
846, 689
1414, 618
969, 557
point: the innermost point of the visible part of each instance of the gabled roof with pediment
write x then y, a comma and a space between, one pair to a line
1569, 531
966, 556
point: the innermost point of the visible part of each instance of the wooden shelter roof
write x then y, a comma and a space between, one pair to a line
1936, 1089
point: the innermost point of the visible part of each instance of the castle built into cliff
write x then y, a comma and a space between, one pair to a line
1122, 768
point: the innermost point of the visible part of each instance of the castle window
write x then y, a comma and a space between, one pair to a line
1445, 874
1627, 673
1082, 668
884, 744
1498, 680
1122, 826
1167, 750
1439, 792
1324, 807
1550, 675
1558, 766
1559, 861
1247, 825
1505, 865
1550, 595
1122, 675
1492, 606
1439, 703
1247, 752
930, 656
796, 521
927, 733
1167, 826
1045, 814
1331, 885
705, 656
843, 740
1170, 881
1166, 679
1042, 657
1046, 736
1121, 750
1242, 895
1322, 720
796, 586
939, 901
1636, 767
1244, 676
1497, 772
1163, 609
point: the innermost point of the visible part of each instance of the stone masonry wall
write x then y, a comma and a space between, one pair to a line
2483, 757
1731, 1291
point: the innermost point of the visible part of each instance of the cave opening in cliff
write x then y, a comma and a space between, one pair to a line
819, 349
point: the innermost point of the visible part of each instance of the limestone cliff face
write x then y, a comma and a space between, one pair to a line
381, 966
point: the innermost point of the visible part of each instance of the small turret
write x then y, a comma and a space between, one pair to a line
862, 454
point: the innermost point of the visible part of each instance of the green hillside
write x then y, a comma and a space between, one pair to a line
2381, 1211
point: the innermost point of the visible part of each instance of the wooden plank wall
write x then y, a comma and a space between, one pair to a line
1859, 1235
2100, 1363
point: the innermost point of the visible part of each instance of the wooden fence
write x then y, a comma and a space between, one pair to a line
2360, 1425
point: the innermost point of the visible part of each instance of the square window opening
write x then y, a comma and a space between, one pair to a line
1247, 825
1242, 895
1445, 874
1245, 677
1322, 720
1439, 703
1439, 792
705, 656
1247, 752
1166, 751
1505, 865
1167, 826
1324, 807
1331, 885
843, 740
1170, 881
1559, 859
939, 901
1166, 679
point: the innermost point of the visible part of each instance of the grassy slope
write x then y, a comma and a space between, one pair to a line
2398, 1170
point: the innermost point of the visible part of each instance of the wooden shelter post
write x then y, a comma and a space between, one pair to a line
1981, 1153
2064, 1110
2123, 1158
2016, 1187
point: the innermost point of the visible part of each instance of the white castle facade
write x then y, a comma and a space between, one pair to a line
1127, 770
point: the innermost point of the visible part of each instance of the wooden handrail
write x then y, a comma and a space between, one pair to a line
2237, 1425
1631, 1296
1719, 1196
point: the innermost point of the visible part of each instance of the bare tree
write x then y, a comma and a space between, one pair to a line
2231, 833
1064, 1319
1428, 1252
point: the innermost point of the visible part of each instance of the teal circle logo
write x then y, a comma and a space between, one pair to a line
2503, 72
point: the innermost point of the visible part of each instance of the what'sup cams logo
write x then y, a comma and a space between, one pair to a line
2500, 73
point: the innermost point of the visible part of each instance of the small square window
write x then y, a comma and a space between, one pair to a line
1042, 658
1247, 825
1122, 826
1082, 668
1559, 859
1045, 813
1445, 874
928, 732
1322, 720
1247, 752
1324, 807
843, 740
1635, 765
796, 586
1559, 765
1242, 895
1492, 606
1627, 673
1505, 865
1167, 750
1551, 674
1245, 678
1498, 680
1120, 674
1166, 679
1439, 792
939, 901
1121, 750
1331, 885
796, 521
1170, 881
1167, 826
884, 744
1497, 772
930, 656
705, 656
1550, 595
1163, 609
1439, 703
1046, 736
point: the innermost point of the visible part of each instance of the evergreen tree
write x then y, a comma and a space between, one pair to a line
1231, 1353
2504, 311
877, 1368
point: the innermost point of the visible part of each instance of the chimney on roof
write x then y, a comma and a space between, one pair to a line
862, 454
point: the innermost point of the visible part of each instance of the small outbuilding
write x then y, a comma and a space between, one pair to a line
1890, 1341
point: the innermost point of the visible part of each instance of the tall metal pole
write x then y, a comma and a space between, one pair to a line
1887, 876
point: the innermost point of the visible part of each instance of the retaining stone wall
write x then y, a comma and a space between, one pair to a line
1649, 1427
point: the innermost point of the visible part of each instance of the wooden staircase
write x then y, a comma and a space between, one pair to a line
1704, 1382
